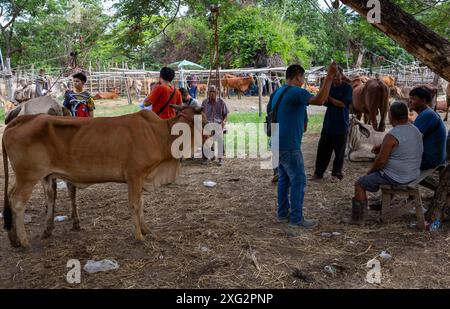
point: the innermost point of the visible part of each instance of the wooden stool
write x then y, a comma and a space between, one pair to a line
412, 191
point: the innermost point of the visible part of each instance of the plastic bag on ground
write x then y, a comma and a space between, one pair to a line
97, 266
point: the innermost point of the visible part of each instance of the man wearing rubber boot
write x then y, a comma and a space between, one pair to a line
397, 163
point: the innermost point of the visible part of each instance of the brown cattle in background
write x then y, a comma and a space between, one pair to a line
107, 95
241, 84
371, 98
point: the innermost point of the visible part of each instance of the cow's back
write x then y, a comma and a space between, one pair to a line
42, 105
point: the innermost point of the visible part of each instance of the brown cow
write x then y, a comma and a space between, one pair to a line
7, 105
403, 93
241, 84
48, 105
202, 88
134, 149
369, 98
107, 95
390, 83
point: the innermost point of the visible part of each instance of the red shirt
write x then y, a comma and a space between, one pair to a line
159, 97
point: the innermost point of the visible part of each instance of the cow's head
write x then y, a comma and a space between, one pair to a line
356, 132
187, 114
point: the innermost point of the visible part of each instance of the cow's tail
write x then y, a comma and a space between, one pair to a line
7, 213
384, 104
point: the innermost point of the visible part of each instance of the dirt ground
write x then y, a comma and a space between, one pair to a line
224, 237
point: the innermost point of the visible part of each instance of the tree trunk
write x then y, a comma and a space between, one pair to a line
417, 39
439, 209
8, 78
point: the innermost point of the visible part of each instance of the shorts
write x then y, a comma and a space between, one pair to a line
373, 181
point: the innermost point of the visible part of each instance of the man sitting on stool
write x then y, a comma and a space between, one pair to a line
397, 163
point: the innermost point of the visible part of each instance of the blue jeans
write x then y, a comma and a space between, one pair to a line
291, 173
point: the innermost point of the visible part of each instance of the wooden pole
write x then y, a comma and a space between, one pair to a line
269, 81
258, 77
90, 79
127, 88
8, 79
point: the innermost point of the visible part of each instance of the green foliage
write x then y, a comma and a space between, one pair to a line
294, 30
253, 29
187, 38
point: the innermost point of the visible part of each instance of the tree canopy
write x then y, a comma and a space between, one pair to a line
160, 32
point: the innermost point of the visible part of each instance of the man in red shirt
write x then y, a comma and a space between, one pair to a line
164, 94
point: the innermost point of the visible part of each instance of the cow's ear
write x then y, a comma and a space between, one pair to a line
364, 130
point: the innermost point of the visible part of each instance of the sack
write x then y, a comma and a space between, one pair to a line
272, 115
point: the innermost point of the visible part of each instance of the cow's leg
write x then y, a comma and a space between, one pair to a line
366, 119
18, 198
373, 120
144, 228
358, 115
383, 112
49, 186
134, 202
73, 200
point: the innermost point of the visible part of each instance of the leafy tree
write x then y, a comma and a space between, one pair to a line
253, 29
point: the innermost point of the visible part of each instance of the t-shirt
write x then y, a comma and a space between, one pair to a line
192, 103
337, 119
403, 164
434, 133
215, 112
291, 117
159, 97
74, 101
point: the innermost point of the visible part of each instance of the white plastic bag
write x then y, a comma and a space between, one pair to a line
103, 265
60, 218
209, 184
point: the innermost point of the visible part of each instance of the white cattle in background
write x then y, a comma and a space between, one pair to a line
362, 138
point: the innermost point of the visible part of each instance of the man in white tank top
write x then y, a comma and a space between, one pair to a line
398, 160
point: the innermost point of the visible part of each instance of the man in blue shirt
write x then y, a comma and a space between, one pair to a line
287, 138
431, 126
335, 128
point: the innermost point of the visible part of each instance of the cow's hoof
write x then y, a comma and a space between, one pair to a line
144, 229
76, 226
24, 243
13, 239
139, 237
46, 234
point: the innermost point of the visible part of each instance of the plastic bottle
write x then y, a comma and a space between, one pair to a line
435, 225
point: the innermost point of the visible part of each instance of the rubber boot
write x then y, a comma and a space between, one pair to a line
359, 209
